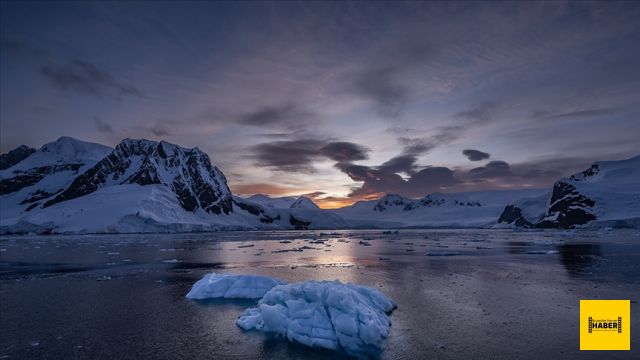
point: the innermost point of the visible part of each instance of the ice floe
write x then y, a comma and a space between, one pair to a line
231, 286
325, 314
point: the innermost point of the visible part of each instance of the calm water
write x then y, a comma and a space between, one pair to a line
503, 294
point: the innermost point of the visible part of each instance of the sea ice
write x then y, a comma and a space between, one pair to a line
231, 286
326, 314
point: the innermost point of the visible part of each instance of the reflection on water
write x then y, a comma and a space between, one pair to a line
122, 296
579, 259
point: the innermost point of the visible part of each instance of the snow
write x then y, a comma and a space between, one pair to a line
65, 150
478, 209
271, 202
304, 203
612, 185
231, 286
325, 314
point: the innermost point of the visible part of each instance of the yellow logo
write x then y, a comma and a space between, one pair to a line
605, 324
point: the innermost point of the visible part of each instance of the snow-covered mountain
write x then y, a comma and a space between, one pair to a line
71, 186
15, 156
140, 186
608, 192
45, 173
472, 209
283, 202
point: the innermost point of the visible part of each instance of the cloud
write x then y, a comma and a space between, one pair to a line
86, 78
102, 126
475, 155
260, 188
479, 114
384, 89
383, 179
494, 169
299, 155
159, 130
416, 145
288, 115
343, 151
576, 114
314, 195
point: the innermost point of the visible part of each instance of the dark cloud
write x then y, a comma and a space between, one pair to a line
400, 164
299, 155
475, 155
86, 78
382, 180
289, 115
159, 130
494, 169
102, 126
383, 87
576, 114
342, 151
416, 145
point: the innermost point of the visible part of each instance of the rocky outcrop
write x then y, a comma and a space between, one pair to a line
15, 156
568, 208
513, 215
196, 183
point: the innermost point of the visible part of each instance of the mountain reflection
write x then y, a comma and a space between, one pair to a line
579, 259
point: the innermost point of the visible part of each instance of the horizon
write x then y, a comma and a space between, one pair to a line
339, 102
328, 204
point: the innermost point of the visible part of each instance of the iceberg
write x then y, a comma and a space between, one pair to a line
325, 314
230, 286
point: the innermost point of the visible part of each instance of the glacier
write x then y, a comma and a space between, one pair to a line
229, 286
324, 314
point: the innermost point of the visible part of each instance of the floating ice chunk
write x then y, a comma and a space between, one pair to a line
326, 314
231, 286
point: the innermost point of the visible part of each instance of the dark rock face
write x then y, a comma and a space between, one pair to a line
568, 207
513, 215
15, 156
299, 224
32, 176
37, 196
389, 200
590, 172
188, 172
257, 210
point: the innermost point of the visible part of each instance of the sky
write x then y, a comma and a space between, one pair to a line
339, 101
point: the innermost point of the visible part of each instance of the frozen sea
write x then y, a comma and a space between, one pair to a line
461, 294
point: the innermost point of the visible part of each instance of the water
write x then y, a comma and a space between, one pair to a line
461, 293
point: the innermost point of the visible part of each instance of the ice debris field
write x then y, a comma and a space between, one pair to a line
324, 314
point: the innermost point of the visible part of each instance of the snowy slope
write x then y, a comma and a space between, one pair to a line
272, 202
607, 192
140, 186
473, 209
44, 173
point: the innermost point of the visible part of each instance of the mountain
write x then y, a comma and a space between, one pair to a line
44, 173
472, 209
272, 202
140, 186
304, 203
285, 202
187, 172
608, 192
72, 186
15, 156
